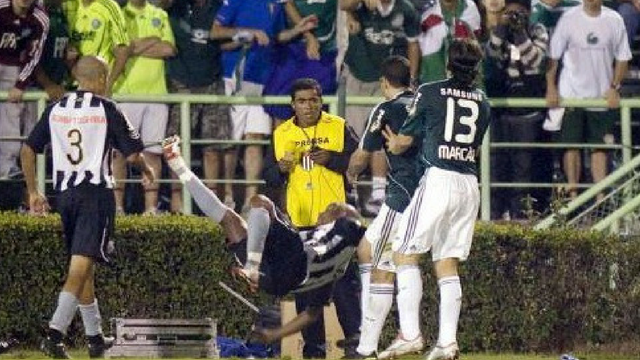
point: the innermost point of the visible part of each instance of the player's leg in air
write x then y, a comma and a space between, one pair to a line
235, 228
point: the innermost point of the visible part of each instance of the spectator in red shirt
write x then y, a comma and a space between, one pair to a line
23, 30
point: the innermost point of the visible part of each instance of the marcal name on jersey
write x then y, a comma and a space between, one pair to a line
459, 153
461, 94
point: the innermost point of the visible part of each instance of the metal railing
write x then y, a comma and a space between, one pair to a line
337, 102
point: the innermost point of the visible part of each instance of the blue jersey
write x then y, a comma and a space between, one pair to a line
265, 15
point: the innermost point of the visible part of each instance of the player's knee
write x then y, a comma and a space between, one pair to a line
446, 267
406, 259
382, 276
261, 201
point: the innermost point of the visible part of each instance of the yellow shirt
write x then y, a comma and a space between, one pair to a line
145, 75
97, 28
310, 187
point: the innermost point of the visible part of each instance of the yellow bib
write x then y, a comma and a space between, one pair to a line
310, 187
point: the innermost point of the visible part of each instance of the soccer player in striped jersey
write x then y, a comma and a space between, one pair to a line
82, 128
374, 252
453, 115
277, 258
23, 31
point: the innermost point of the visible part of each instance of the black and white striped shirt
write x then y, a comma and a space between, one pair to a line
83, 128
329, 248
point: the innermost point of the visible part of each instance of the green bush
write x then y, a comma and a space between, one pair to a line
522, 290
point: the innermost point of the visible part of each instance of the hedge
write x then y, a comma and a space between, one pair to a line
522, 290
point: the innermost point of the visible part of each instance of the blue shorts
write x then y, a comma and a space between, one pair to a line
291, 63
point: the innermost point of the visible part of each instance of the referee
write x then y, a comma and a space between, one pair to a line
83, 128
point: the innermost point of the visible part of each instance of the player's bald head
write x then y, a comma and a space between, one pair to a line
91, 73
90, 67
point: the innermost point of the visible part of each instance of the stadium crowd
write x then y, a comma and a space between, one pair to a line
548, 48
242, 48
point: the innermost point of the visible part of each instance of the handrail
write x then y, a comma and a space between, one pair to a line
336, 103
591, 192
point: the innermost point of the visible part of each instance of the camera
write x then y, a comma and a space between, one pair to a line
516, 20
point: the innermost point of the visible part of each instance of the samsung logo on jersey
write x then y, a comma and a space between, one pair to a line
457, 153
461, 94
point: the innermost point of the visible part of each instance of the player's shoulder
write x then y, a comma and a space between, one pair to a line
286, 126
110, 6
41, 15
156, 10
611, 15
109, 105
330, 118
399, 104
432, 86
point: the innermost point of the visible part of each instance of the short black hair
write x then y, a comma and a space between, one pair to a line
464, 59
305, 84
524, 3
396, 70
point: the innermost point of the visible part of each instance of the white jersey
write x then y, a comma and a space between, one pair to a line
588, 47
82, 128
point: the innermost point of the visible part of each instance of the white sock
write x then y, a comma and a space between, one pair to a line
91, 318
379, 185
450, 301
206, 199
373, 318
66, 310
258, 223
409, 296
365, 281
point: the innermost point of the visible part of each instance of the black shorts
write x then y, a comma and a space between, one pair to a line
318, 297
88, 212
284, 262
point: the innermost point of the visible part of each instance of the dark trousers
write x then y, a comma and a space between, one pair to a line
515, 165
346, 296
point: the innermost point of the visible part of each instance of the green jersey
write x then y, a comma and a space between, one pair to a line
404, 172
55, 48
549, 16
453, 119
145, 75
380, 37
98, 28
326, 11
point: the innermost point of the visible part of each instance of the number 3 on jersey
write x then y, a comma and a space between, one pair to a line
467, 120
75, 140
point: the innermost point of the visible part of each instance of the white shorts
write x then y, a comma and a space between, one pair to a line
247, 119
441, 216
151, 122
380, 233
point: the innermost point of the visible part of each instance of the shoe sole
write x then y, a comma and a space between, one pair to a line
395, 356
